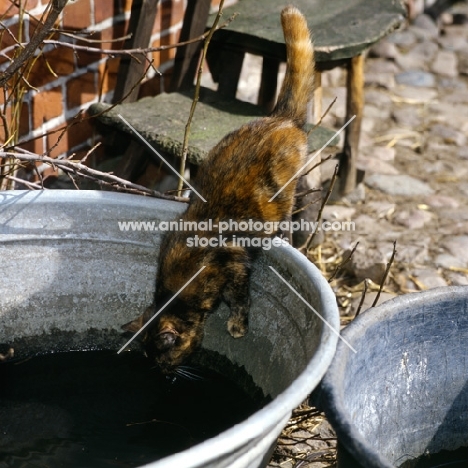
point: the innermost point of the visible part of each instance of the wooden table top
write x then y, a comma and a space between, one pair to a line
341, 29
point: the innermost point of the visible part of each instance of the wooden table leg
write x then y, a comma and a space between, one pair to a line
130, 71
354, 107
230, 68
318, 94
269, 84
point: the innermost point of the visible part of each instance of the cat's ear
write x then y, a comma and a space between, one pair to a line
135, 325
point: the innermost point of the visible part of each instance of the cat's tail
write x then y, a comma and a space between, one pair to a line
298, 84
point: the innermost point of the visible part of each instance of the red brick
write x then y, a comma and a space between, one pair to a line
81, 90
3, 131
6, 114
85, 58
60, 60
17, 123
168, 14
34, 25
112, 64
116, 31
178, 11
107, 76
173, 39
104, 9
106, 38
57, 141
47, 105
77, 15
9, 9
24, 119
35, 145
79, 133
162, 56
165, 13
6, 40
157, 19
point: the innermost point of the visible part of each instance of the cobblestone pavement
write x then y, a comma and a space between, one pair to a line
415, 156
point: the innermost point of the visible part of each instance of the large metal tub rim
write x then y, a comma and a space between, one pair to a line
249, 441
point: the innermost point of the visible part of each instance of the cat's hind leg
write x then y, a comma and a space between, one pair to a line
238, 321
237, 297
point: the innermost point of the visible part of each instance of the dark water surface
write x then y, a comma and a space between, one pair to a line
456, 459
99, 409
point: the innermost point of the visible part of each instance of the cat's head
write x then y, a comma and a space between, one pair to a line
171, 337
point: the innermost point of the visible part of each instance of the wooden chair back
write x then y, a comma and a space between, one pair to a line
142, 17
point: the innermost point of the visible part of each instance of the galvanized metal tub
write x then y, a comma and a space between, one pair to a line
404, 393
67, 266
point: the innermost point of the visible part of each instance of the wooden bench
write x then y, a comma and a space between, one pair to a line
342, 31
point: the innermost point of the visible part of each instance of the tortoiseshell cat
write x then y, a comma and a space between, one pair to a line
238, 178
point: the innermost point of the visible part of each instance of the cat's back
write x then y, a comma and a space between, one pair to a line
249, 150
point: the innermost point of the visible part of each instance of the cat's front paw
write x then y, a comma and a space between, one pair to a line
237, 326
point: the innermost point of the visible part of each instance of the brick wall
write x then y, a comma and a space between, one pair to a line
60, 81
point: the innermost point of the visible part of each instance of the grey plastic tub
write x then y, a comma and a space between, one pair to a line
67, 267
405, 392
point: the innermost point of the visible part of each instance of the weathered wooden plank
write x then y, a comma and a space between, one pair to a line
162, 119
187, 57
130, 71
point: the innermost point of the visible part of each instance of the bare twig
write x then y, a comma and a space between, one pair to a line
310, 239
317, 165
343, 263
119, 52
31, 185
384, 277
91, 41
7, 30
80, 117
39, 175
302, 208
56, 8
90, 151
78, 169
73, 181
307, 192
183, 159
363, 296
322, 117
459, 269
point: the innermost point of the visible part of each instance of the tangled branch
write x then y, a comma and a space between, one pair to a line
41, 33
18, 62
78, 169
